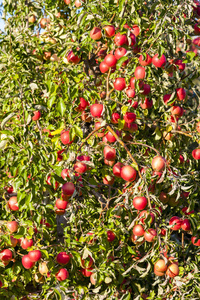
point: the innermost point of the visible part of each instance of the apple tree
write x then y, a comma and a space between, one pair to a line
99, 149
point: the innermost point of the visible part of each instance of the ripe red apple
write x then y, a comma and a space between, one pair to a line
62, 274
12, 226
110, 60
176, 221
158, 163
13, 241
115, 118
108, 180
117, 169
72, 58
135, 30
37, 115
26, 262
145, 61
132, 82
65, 174
130, 92
138, 230
180, 64
78, 3
150, 235
12, 203
160, 267
140, 203
185, 225
6, 255
25, 243
139, 73
177, 110
109, 30
96, 110
95, 33
110, 236
172, 270
110, 137
68, 188
103, 67
180, 94
80, 167
100, 133
147, 103
129, 117
109, 153
61, 204
35, 255
119, 84
195, 241
120, 39
145, 89
120, 52
159, 62
65, 138
63, 258
128, 173
86, 272
196, 153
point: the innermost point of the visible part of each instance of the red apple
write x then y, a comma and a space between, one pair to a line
196, 153
65, 138
145, 61
150, 235
95, 33
103, 67
62, 274
68, 188
109, 30
72, 58
138, 230
110, 60
25, 243
119, 84
128, 173
159, 62
26, 262
158, 163
139, 73
109, 153
63, 258
117, 169
12, 203
120, 39
176, 222
185, 225
61, 204
96, 110
37, 115
110, 236
180, 94
35, 255
140, 203
12, 226
120, 52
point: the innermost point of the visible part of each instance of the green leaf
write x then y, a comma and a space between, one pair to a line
61, 107
158, 134
121, 61
78, 131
